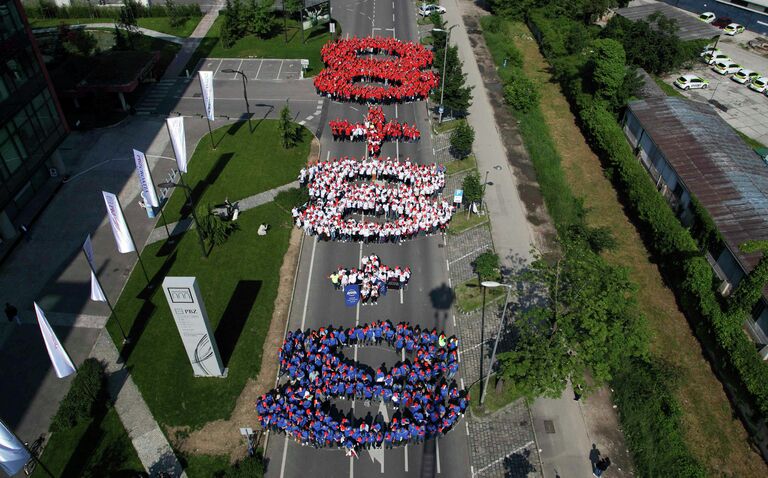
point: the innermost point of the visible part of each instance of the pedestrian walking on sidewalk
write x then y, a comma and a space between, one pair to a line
12, 313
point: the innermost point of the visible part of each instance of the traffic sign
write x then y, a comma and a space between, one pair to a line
458, 196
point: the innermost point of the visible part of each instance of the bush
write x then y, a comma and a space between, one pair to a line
521, 93
462, 139
248, 467
85, 393
486, 265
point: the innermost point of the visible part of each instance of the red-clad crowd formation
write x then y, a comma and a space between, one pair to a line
351, 76
375, 130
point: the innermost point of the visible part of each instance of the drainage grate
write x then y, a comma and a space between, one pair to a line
549, 426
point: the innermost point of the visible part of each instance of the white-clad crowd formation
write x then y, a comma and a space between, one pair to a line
406, 194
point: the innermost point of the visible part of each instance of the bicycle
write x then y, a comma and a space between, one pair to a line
35, 450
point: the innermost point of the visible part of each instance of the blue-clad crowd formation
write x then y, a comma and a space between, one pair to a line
426, 398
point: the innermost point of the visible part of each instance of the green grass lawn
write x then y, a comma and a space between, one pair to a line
274, 47
160, 24
469, 297
99, 447
243, 164
460, 222
238, 282
461, 165
449, 125
667, 88
493, 400
204, 466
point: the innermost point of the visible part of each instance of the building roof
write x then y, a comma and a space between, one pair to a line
690, 27
649, 89
715, 165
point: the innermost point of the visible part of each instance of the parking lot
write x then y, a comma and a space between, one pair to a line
742, 108
254, 68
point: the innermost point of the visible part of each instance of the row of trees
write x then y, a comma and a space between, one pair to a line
456, 94
254, 17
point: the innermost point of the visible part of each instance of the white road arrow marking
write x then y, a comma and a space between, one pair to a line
377, 454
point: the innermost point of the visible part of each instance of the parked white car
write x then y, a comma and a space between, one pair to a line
686, 82
733, 29
759, 84
708, 50
707, 17
726, 67
745, 76
427, 10
716, 56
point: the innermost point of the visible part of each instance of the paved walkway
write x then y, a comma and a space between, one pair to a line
176, 228
150, 443
189, 46
145, 31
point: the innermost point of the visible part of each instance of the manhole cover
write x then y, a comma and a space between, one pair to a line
549, 426
497, 167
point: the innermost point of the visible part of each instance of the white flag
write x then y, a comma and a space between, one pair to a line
96, 293
147, 188
117, 221
60, 360
88, 250
13, 454
206, 84
176, 132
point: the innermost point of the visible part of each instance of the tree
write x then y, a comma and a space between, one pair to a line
462, 139
248, 467
473, 190
262, 20
214, 229
579, 316
521, 93
486, 266
127, 27
456, 94
608, 66
289, 131
176, 15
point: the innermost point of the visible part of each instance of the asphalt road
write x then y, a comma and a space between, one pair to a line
426, 301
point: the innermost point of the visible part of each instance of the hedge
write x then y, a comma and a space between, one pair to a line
85, 393
48, 9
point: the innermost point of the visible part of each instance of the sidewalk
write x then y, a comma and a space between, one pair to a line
153, 449
144, 31
190, 44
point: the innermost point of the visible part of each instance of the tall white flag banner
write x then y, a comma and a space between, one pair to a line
147, 188
60, 360
119, 226
206, 84
88, 250
13, 454
96, 293
176, 132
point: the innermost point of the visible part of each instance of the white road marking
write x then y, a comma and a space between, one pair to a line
401, 295
217, 68
281, 69
437, 453
402, 354
406, 458
454, 320
309, 282
351, 467
328, 156
449, 282
285, 452
448, 264
240, 68
393, 16
462, 383
466, 423
259, 70
508, 454
302, 122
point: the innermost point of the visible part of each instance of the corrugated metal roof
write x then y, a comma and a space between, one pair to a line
714, 164
649, 89
690, 27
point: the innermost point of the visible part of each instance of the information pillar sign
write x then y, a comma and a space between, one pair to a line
188, 309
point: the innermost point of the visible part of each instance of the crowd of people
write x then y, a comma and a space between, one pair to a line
423, 392
412, 206
372, 276
349, 75
375, 130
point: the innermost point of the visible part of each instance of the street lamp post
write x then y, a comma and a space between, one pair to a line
445, 62
494, 284
187, 193
245, 93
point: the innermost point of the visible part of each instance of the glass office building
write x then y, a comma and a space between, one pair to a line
32, 125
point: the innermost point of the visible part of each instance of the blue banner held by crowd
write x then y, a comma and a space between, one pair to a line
382, 288
351, 295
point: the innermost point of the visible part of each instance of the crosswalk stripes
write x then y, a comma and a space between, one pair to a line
157, 93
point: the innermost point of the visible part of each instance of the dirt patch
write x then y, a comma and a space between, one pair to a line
712, 432
222, 437
527, 185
